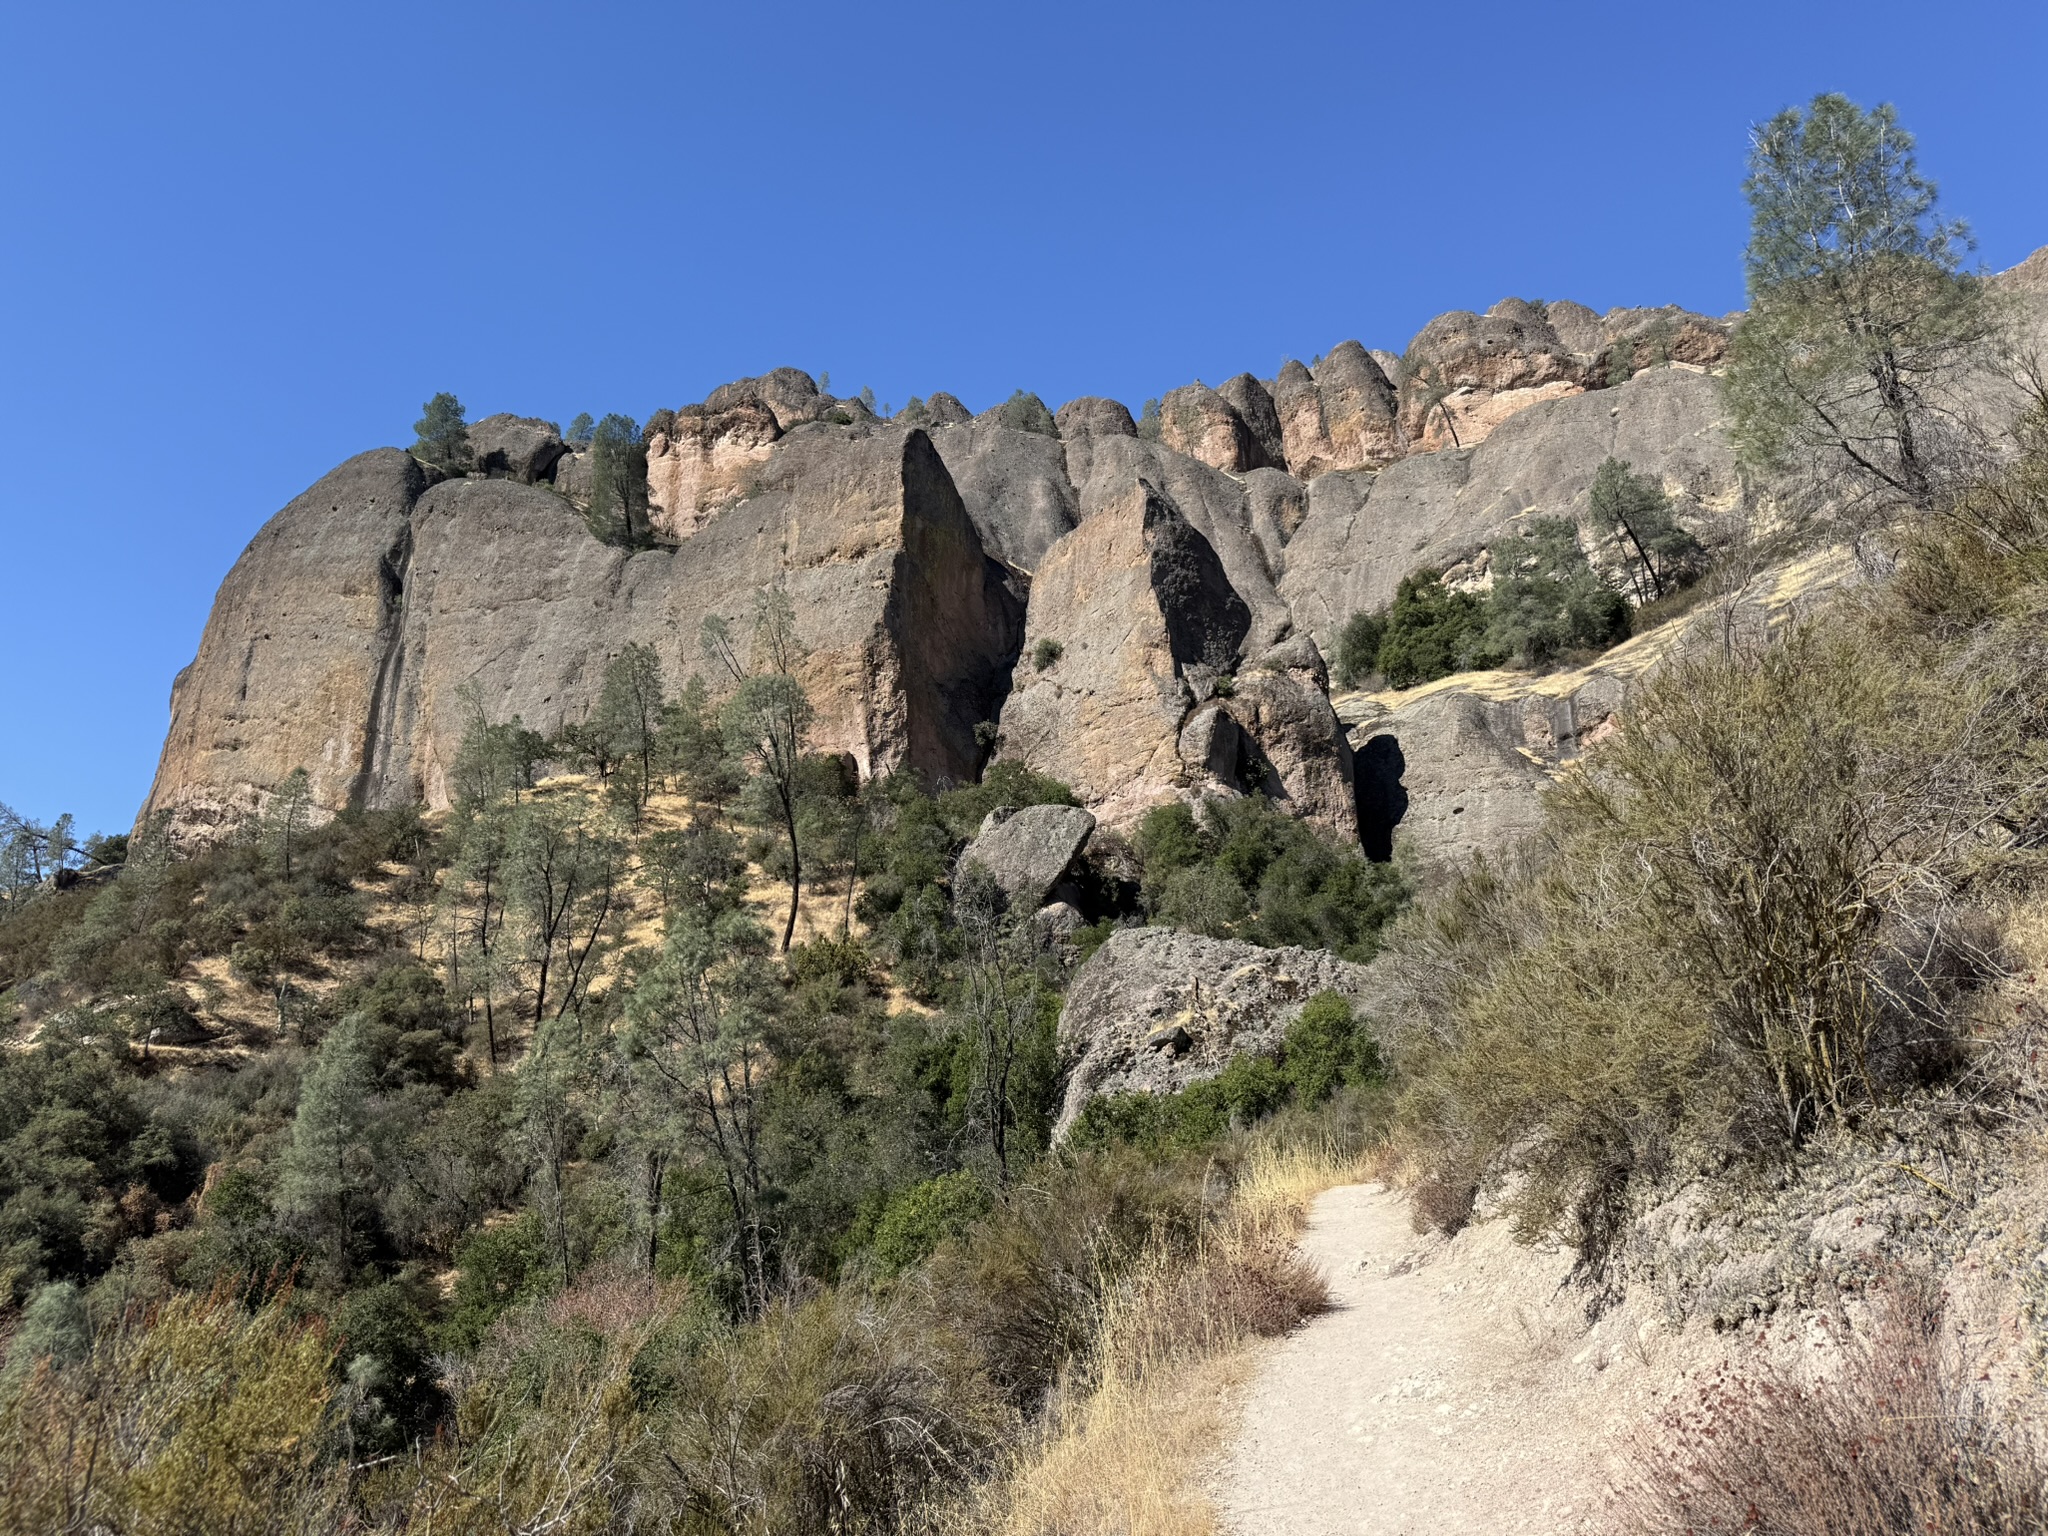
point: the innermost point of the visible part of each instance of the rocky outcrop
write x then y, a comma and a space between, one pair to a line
1200, 423
293, 660
522, 448
1154, 1010
1254, 407
704, 461
1105, 717
790, 395
344, 637
1362, 533
1093, 416
1458, 767
1028, 851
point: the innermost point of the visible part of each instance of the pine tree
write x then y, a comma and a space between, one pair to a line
324, 1188
442, 435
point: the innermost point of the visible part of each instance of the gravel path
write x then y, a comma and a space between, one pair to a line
1451, 1389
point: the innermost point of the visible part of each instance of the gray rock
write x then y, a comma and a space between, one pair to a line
521, 448
1195, 420
1028, 851
1254, 407
1093, 416
790, 393
947, 410
1155, 1010
1015, 488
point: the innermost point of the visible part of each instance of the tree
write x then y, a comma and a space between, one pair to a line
1431, 630
1657, 553
768, 715
1860, 318
581, 429
1546, 600
695, 1034
618, 484
561, 873
325, 1180
629, 712
999, 1001
288, 815
442, 435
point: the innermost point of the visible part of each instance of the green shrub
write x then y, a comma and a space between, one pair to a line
917, 1220
1325, 1049
496, 1270
1045, 653
1358, 648
1546, 601
1431, 632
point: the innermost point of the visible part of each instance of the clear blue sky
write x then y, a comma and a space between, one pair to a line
241, 242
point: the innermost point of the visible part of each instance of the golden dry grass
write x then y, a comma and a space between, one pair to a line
1127, 1452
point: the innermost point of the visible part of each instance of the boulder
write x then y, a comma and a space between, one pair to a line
1093, 416
1106, 717
1304, 758
1029, 851
1511, 350
790, 394
947, 410
1358, 409
1154, 1010
522, 448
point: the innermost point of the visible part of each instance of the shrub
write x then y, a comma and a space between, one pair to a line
1045, 653
496, 1270
1430, 632
1358, 648
917, 1220
1546, 600
1896, 1440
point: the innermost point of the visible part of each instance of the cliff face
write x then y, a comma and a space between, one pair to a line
1189, 575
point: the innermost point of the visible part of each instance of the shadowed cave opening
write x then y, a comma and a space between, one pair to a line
1382, 801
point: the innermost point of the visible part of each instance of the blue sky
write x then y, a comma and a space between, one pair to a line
239, 243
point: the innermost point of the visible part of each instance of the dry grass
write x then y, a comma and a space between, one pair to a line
1891, 1439
1126, 1450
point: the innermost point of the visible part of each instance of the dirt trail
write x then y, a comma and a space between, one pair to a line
1452, 1388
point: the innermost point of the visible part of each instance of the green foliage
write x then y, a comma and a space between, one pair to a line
1323, 1050
921, 1217
442, 435
1025, 412
582, 429
1657, 553
496, 1270
618, 510
1247, 870
1861, 321
1431, 632
1045, 653
1149, 422
54, 1328
385, 1332
1358, 648
1546, 601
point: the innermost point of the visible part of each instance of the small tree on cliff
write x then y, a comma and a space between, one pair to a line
442, 435
768, 715
1860, 317
618, 484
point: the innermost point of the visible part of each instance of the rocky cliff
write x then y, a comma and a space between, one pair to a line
1142, 611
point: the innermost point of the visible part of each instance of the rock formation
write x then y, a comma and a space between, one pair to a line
1028, 852
1155, 1009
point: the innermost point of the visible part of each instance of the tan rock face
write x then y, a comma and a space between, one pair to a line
704, 464
1200, 423
342, 638
293, 654
1134, 598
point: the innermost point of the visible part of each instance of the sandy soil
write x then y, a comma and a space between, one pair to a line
1453, 1387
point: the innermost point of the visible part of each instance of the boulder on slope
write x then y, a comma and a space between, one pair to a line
1028, 851
1154, 1010
522, 448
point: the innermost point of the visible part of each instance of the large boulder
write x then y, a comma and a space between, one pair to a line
1154, 1010
1028, 851
522, 448
344, 638
1281, 703
1254, 406
790, 394
1341, 416
1105, 717
1197, 421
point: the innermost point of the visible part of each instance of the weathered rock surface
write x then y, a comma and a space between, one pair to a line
522, 448
1155, 1010
289, 666
1200, 423
341, 639
1093, 416
705, 461
1362, 533
1135, 597
1015, 487
1029, 850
